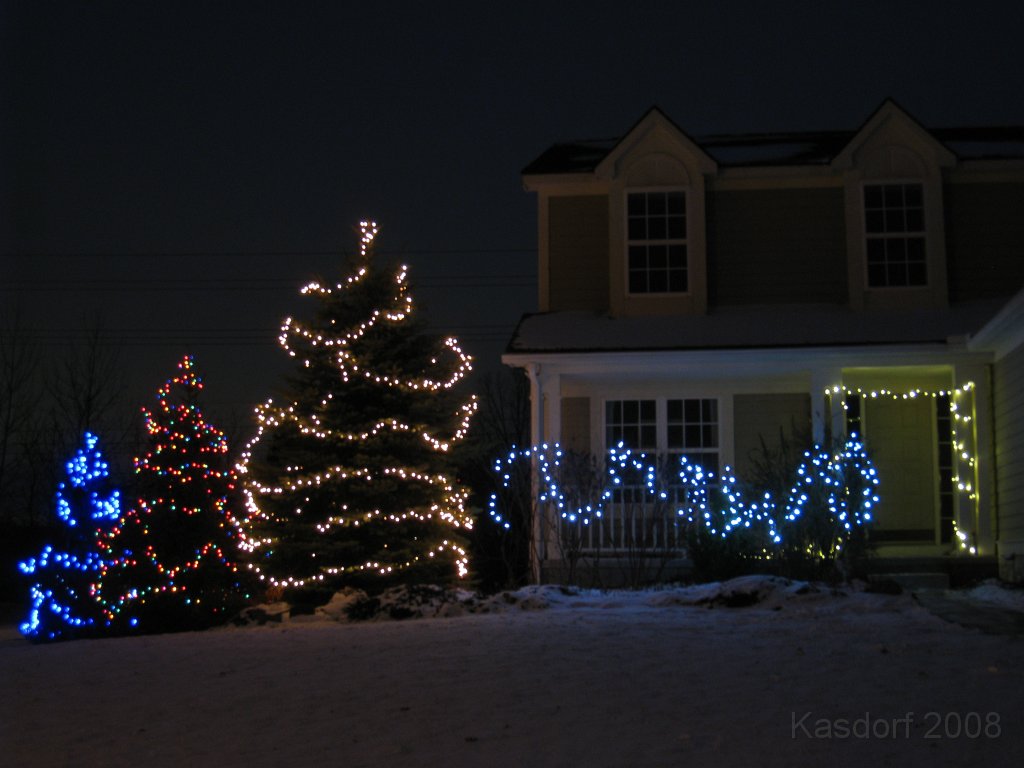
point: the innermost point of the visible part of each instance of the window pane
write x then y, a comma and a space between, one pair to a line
675, 435
657, 281
895, 220
893, 195
637, 229
656, 229
915, 220
876, 251
914, 248
677, 281
876, 275
895, 274
913, 195
637, 204
709, 410
637, 281
631, 411
675, 410
657, 257
874, 221
638, 257
655, 203
692, 433
648, 437
692, 410
873, 196
648, 410
676, 228
917, 274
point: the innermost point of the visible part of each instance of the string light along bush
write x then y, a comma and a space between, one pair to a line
350, 481
64, 594
824, 521
829, 510
171, 556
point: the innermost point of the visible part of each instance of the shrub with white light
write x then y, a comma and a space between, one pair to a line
350, 482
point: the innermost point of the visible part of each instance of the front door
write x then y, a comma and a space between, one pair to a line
900, 436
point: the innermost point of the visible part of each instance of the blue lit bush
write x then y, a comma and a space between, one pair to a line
819, 531
64, 594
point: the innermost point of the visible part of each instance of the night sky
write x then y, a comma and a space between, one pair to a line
176, 170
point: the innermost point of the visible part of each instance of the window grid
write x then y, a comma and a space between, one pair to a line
656, 241
692, 431
895, 235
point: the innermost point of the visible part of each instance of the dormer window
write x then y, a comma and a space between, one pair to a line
656, 241
895, 235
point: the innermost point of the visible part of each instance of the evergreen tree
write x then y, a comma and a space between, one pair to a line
65, 601
173, 552
350, 482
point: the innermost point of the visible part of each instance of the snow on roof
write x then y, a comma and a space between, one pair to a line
791, 148
747, 327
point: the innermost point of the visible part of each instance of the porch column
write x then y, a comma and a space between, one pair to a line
973, 429
551, 384
537, 549
826, 409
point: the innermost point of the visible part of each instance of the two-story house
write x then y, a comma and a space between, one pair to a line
697, 296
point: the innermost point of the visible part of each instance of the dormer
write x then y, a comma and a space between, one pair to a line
622, 225
657, 231
892, 177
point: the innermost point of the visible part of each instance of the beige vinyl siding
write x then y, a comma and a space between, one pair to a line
1008, 396
766, 417
576, 423
578, 247
984, 232
777, 246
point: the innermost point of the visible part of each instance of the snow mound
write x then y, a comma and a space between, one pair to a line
427, 601
995, 592
431, 601
741, 592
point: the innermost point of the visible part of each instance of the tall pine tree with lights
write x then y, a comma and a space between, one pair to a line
173, 553
64, 593
350, 482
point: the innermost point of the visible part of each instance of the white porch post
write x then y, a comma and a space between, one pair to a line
536, 438
975, 508
826, 410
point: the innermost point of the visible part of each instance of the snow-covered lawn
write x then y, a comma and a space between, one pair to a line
653, 678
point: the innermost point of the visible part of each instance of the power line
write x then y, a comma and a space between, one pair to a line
253, 254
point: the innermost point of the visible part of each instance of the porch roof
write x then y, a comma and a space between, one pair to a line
748, 327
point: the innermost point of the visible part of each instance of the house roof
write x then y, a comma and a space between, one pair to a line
790, 148
748, 327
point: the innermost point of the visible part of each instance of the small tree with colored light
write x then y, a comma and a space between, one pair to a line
65, 601
350, 481
173, 553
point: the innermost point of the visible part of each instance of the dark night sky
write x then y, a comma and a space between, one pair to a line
159, 157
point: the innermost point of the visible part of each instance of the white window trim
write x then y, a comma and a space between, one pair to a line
688, 207
923, 183
725, 420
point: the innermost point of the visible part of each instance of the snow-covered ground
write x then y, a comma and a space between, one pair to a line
671, 677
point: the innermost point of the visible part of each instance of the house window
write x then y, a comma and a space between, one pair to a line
656, 241
895, 235
634, 423
693, 431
